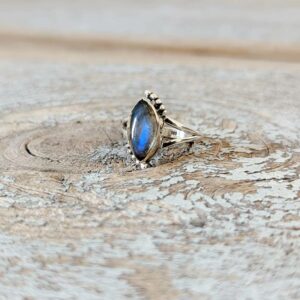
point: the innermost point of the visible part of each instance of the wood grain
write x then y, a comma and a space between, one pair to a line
77, 221
244, 29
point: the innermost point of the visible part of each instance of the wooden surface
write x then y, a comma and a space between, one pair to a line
78, 222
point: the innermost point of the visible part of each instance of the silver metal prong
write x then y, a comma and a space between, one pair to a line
153, 97
164, 113
158, 104
144, 166
147, 93
161, 109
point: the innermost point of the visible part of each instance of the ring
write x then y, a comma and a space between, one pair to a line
149, 129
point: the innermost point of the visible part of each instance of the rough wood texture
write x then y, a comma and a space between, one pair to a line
76, 221
252, 29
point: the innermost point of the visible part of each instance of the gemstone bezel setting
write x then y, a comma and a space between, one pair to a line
155, 140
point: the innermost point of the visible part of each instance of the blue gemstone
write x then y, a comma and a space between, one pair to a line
143, 128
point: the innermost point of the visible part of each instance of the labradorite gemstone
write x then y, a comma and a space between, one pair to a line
143, 128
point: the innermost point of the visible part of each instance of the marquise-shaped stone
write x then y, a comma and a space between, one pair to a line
143, 129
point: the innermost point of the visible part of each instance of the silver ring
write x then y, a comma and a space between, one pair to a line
149, 129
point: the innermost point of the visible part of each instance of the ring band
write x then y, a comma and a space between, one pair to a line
149, 129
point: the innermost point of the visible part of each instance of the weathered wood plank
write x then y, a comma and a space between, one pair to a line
76, 221
255, 29
222, 221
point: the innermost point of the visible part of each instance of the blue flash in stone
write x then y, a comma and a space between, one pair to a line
143, 129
